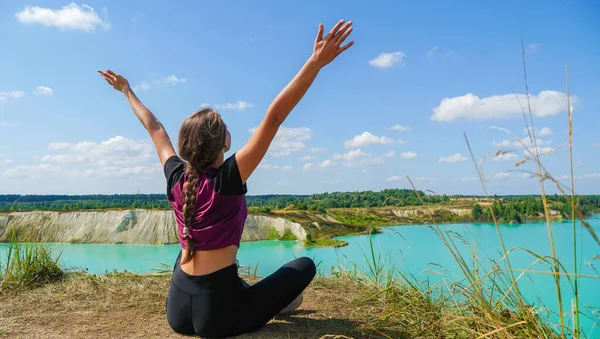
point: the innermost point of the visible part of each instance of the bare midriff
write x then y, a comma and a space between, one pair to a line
206, 262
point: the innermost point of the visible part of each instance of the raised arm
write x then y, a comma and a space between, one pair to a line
159, 136
325, 50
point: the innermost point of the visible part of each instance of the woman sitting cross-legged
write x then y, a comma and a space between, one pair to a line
207, 193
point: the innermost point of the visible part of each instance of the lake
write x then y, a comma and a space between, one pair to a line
413, 249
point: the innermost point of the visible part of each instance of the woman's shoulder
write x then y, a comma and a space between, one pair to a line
174, 170
226, 178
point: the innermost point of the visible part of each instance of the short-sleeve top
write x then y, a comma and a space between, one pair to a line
221, 209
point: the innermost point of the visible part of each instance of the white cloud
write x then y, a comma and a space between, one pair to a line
119, 172
7, 124
117, 157
267, 166
465, 179
307, 158
143, 87
590, 176
400, 128
504, 156
71, 16
288, 141
240, 105
544, 132
318, 149
310, 167
4, 160
394, 178
434, 52
503, 143
387, 60
472, 107
540, 151
42, 90
358, 158
431, 52
529, 143
29, 171
408, 155
365, 170
16, 94
424, 179
533, 47
457, 157
367, 139
173, 80
389, 154
117, 151
499, 176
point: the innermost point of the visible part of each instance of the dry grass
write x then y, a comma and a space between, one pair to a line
125, 305
347, 305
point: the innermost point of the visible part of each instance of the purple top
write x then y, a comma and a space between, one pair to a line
221, 209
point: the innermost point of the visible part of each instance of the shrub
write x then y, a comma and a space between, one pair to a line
288, 235
309, 239
273, 234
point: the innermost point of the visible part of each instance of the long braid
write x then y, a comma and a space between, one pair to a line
201, 140
189, 207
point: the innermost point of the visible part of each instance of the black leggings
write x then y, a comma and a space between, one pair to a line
221, 305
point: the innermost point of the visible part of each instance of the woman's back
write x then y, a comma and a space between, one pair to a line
219, 216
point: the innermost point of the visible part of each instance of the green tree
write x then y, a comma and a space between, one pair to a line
477, 212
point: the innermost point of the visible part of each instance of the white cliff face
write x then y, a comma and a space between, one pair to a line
258, 226
127, 227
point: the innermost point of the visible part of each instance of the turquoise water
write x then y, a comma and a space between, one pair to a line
413, 249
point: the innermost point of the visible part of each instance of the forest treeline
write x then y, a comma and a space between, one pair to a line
391, 197
508, 208
522, 208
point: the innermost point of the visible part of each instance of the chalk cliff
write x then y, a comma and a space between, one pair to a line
127, 227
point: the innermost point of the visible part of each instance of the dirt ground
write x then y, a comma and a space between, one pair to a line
133, 306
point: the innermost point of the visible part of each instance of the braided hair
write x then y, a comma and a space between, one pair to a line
202, 137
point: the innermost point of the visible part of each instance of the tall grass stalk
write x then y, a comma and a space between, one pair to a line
536, 158
576, 282
481, 301
389, 300
496, 225
28, 265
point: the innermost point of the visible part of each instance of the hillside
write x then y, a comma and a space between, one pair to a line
158, 226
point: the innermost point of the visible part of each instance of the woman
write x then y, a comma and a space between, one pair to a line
207, 193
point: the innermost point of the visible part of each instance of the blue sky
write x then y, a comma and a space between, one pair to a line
432, 69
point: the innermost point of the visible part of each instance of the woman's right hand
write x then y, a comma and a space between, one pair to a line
117, 81
328, 48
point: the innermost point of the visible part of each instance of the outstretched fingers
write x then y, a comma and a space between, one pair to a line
342, 37
348, 45
343, 30
108, 77
335, 29
320, 33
